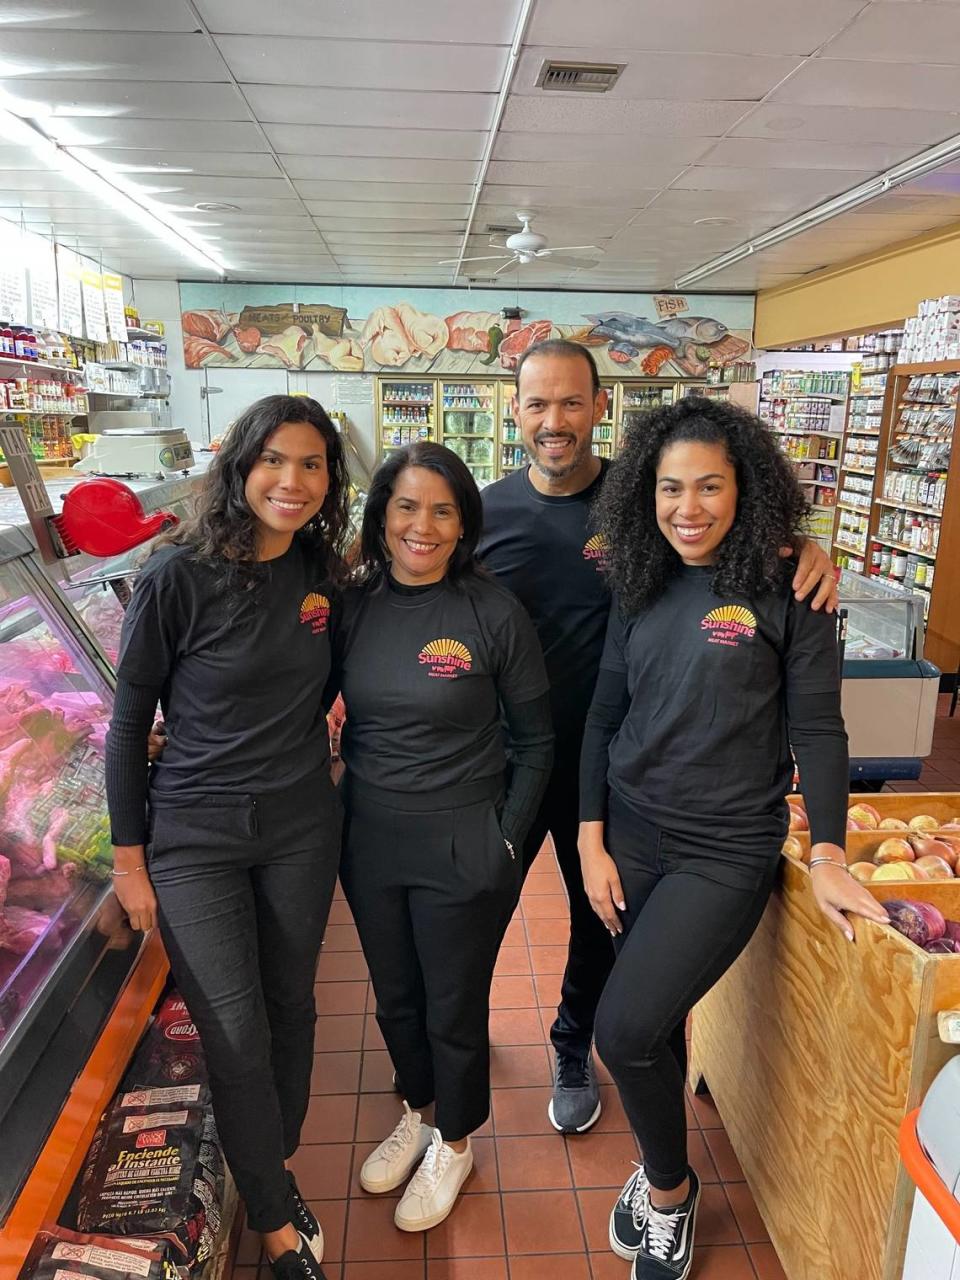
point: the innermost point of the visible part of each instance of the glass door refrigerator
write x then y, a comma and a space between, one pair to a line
637, 397
605, 441
512, 455
406, 411
469, 425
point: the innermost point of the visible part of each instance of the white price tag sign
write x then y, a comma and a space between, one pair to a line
113, 303
13, 275
69, 295
41, 261
94, 312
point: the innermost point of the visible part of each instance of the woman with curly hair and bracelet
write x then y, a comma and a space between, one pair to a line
712, 673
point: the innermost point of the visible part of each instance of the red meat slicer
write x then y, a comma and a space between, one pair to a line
103, 517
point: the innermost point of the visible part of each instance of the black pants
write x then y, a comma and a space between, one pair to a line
431, 888
590, 955
244, 885
688, 917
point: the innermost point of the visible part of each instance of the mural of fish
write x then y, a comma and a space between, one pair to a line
628, 335
699, 329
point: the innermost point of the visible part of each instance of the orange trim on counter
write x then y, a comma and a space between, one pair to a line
929, 1183
45, 1191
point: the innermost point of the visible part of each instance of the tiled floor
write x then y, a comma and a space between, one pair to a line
536, 1204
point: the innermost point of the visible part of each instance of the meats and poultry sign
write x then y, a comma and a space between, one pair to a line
444, 332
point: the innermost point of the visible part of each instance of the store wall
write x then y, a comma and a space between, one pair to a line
876, 291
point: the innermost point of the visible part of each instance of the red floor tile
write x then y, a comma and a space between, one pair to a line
383, 1270
474, 1229
533, 1163
538, 883
323, 1171
372, 1036
728, 1166
513, 961
515, 935
486, 1174
339, 913
547, 906
467, 1269
549, 959
340, 997
519, 1066
705, 1110
512, 993
715, 1221
377, 1073
551, 1266
722, 1262
342, 966
341, 937
595, 1207
602, 1159
338, 1032
549, 932
541, 1222
515, 1026
335, 1073
521, 1111
372, 1235
766, 1263
330, 1118
377, 1115
746, 1213
332, 1216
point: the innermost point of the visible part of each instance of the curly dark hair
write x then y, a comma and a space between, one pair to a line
373, 563
771, 508
223, 529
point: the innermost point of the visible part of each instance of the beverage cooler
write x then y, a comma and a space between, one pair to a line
637, 397
512, 453
469, 425
76, 985
605, 439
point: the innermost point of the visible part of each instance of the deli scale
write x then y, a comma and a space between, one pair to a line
138, 451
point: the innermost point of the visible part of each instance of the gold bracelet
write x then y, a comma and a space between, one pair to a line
815, 862
128, 873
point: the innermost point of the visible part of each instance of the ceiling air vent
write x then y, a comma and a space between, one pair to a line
499, 229
580, 77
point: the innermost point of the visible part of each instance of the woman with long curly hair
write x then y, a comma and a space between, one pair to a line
712, 673
232, 843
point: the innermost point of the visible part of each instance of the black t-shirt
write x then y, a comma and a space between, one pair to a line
717, 689
549, 555
422, 676
241, 678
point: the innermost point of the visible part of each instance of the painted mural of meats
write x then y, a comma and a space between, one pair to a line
514, 344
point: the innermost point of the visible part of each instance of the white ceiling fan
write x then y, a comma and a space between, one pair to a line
526, 246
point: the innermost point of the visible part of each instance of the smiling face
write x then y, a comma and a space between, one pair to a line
422, 527
557, 410
696, 499
287, 485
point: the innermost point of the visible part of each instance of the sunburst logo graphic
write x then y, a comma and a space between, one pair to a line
597, 549
445, 658
315, 610
728, 623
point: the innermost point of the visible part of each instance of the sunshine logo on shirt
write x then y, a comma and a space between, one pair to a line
445, 658
597, 549
315, 611
729, 624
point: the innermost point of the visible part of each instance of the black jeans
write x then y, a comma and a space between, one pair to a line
688, 917
590, 955
432, 888
244, 885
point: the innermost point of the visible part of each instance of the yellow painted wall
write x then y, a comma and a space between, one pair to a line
876, 291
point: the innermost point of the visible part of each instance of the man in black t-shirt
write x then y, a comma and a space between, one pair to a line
539, 540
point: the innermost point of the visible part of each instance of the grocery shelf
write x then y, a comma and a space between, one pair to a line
854, 551
39, 364
462, 435
858, 471
135, 334
44, 413
904, 546
908, 506
860, 431
406, 404
779, 431
857, 511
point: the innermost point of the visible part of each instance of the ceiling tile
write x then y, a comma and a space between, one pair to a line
211, 136
604, 148
799, 184
711, 204
554, 220
360, 214
110, 102
181, 188
83, 55
379, 170
580, 173
926, 32
543, 198
370, 108
664, 75
454, 20
357, 63
851, 124
390, 226
580, 113
144, 166
827, 82
100, 15
331, 140
770, 153
382, 200
383, 240
730, 26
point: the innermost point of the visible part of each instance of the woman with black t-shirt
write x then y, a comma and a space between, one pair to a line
711, 673
233, 848
443, 682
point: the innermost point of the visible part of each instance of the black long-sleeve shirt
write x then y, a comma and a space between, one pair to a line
444, 685
698, 703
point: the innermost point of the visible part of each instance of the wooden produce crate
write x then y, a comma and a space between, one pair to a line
814, 1050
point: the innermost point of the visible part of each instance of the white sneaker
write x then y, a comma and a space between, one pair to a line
434, 1188
390, 1164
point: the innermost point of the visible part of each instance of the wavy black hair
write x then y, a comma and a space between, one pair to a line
771, 508
373, 564
223, 529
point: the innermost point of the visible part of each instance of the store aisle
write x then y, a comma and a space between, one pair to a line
536, 1204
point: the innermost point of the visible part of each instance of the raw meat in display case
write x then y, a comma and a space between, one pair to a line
54, 831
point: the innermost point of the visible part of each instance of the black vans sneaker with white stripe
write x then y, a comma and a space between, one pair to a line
628, 1216
666, 1252
304, 1220
297, 1264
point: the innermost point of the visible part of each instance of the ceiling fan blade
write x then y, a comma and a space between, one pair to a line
493, 257
514, 262
563, 261
567, 248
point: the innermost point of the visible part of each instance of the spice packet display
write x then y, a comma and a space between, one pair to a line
170, 1053
59, 1254
156, 1172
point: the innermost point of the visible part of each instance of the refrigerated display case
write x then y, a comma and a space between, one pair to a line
889, 689
605, 439
637, 397
512, 453
406, 411
469, 425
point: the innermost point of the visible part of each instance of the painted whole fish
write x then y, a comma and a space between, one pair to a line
628, 335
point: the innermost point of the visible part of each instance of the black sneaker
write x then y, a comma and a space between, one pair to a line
299, 1264
575, 1104
666, 1252
304, 1220
629, 1216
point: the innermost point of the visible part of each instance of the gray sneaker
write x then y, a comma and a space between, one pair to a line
575, 1105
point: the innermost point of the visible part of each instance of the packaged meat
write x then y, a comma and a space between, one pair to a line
155, 1172
170, 1052
59, 1254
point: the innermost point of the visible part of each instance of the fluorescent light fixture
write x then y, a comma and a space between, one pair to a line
907, 171
114, 190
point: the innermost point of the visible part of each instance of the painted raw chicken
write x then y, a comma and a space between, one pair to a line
393, 335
